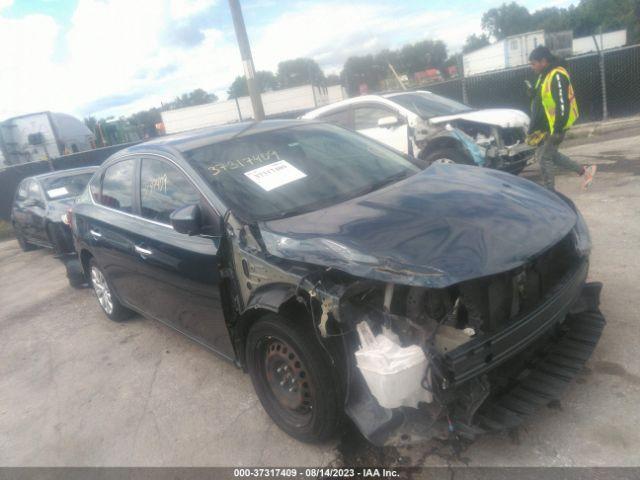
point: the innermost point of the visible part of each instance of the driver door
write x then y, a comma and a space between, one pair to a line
366, 120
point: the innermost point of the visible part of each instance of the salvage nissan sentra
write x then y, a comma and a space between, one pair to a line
346, 279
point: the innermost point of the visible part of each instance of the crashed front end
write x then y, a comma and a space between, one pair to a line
496, 347
499, 145
481, 291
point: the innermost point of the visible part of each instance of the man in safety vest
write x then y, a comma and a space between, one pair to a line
553, 110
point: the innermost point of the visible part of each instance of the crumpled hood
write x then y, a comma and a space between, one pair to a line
500, 117
444, 225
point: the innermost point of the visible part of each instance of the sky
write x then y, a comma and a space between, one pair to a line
116, 57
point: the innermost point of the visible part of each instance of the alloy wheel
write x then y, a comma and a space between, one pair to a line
101, 287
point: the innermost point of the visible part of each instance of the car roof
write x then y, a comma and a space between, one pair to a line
383, 97
64, 173
191, 139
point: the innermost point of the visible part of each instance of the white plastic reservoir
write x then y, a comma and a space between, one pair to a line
393, 373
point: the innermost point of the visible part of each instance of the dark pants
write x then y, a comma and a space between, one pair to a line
549, 157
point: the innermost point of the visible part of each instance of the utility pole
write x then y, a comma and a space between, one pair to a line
247, 60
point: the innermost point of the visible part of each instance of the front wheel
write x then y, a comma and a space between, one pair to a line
110, 304
293, 378
448, 155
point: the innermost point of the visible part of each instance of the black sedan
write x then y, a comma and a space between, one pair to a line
40, 206
345, 279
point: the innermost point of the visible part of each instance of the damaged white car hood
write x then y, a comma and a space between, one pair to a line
500, 117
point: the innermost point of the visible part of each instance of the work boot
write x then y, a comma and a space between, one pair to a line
589, 173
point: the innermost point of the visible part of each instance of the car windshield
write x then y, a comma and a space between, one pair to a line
57, 188
295, 170
428, 105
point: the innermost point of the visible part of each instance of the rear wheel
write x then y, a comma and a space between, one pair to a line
448, 155
294, 379
22, 241
110, 304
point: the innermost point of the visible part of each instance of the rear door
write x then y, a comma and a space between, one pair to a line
365, 120
179, 274
111, 227
33, 210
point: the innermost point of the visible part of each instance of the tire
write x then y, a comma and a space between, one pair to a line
107, 298
22, 241
309, 406
448, 155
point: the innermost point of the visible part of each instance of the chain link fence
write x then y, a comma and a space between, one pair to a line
606, 84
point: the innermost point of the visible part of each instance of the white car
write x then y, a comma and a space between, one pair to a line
436, 129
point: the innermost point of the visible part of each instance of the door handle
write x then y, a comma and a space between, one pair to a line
142, 251
95, 233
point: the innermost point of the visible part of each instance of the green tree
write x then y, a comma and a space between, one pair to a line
508, 19
362, 70
266, 81
299, 71
196, 97
422, 55
474, 42
333, 79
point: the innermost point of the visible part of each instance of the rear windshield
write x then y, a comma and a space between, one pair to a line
57, 188
290, 171
428, 105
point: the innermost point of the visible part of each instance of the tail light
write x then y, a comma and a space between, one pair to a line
67, 218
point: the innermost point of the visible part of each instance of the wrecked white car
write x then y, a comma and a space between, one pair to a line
436, 129
445, 301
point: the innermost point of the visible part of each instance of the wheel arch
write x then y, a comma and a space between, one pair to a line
279, 298
438, 143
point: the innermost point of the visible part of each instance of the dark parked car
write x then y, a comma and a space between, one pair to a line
40, 206
345, 279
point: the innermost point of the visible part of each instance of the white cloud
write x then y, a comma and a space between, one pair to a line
117, 58
5, 4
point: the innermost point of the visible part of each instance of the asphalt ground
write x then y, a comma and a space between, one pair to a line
79, 390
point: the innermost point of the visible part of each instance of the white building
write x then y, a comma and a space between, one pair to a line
514, 51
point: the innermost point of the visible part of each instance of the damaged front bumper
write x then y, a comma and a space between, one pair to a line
511, 158
483, 392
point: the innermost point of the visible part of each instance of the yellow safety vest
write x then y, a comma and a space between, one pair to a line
549, 104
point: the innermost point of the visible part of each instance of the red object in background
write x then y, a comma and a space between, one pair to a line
428, 73
363, 88
452, 71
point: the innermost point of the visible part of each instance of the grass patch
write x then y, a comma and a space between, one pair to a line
6, 232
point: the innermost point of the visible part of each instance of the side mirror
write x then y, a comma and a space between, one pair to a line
187, 220
387, 122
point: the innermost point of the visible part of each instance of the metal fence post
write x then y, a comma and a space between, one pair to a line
463, 83
603, 80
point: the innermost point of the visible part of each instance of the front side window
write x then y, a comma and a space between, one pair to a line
163, 189
290, 171
367, 117
117, 186
427, 105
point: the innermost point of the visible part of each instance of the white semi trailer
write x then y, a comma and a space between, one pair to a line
289, 102
42, 136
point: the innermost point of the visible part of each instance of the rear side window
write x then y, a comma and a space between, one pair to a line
117, 186
367, 117
338, 118
163, 189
